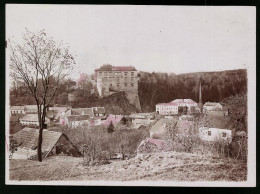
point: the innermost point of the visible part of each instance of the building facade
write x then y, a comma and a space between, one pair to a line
209, 106
173, 107
112, 79
215, 134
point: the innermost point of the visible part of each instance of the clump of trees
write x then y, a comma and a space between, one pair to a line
98, 146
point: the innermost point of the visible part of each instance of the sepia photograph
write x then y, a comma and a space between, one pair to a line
130, 95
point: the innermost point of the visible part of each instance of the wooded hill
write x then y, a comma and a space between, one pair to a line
162, 87
153, 88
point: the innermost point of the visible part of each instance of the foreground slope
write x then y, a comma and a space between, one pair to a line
160, 166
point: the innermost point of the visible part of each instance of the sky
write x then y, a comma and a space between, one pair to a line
172, 39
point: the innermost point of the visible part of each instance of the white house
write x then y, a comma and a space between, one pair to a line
17, 109
77, 120
208, 106
214, 134
172, 107
32, 119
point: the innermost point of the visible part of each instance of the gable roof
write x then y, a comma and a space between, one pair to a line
77, 118
31, 117
176, 102
211, 104
116, 68
27, 139
17, 108
83, 111
159, 124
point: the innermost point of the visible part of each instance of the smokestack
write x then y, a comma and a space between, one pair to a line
200, 99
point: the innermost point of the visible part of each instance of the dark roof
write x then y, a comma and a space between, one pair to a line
77, 118
116, 68
28, 138
14, 118
82, 111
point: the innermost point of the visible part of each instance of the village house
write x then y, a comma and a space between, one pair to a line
214, 134
53, 143
83, 111
141, 119
99, 111
209, 106
31, 109
32, 119
174, 107
17, 109
77, 120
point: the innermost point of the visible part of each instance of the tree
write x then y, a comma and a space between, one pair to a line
42, 64
110, 128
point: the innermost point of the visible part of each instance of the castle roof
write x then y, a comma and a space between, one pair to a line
116, 68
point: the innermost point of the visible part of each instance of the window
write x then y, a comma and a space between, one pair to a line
100, 73
132, 84
209, 133
224, 134
126, 73
117, 84
117, 79
105, 73
132, 73
125, 84
125, 79
132, 79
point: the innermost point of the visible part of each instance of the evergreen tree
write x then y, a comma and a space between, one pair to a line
110, 128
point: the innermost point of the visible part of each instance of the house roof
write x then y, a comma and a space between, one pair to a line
27, 139
186, 101
99, 110
159, 124
27, 107
141, 115
176, 102
211, 104
77, 118
83, 111
17, 108
112, 118
116, 68
31, 117
14, 118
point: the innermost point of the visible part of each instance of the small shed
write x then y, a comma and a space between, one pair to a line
53, 143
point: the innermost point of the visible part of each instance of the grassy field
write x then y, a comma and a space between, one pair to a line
160, 166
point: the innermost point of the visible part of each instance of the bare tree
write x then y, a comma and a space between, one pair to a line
41, 63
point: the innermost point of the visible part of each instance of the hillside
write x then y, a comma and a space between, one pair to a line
162, 87
153, 88
158, 166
